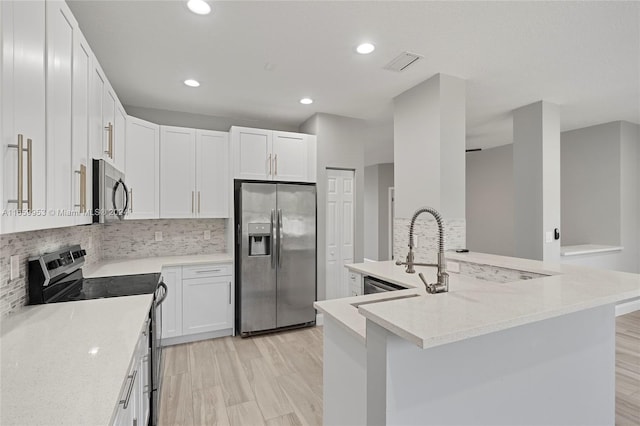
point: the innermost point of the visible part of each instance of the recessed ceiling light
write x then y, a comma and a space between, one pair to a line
200, 7
306, 101
192, 83
365, 48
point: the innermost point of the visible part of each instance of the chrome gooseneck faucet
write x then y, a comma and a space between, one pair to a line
442, 286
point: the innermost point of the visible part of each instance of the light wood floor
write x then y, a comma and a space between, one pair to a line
277, 379
274, 379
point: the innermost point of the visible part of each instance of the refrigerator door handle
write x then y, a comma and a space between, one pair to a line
280, 237
273, 238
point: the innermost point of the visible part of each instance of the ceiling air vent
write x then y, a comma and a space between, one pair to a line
403, 61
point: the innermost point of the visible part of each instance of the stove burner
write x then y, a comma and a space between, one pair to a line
116, 286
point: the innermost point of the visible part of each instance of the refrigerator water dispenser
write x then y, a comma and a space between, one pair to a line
259, 239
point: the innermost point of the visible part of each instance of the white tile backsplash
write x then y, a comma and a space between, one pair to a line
137, 238
426, 229
13, 293
127, 239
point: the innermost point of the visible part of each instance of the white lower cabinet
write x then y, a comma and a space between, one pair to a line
133, 403
356, 285
172, 305
206, 304
199, 303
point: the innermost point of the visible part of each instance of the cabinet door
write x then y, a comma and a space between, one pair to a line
23, 110
59, 113
109, 124
177, 172
80, 138
120, 135
212, 174
97, 132
142, 169
252, 153
172, 305
208, 304
290, 156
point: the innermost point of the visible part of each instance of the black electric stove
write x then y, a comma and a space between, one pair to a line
57, 277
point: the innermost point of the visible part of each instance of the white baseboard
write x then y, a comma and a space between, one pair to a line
319, 319
628, 307
169, 341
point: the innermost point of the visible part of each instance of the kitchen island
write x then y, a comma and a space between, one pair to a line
537, 350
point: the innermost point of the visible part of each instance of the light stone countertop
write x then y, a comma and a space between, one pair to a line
149, 265
476, 307
65, 363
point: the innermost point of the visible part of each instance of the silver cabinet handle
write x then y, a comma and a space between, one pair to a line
193, 195
131, 200
208, 270
126, 399
229, 292
280, 237
270, 164
82, 173
198, 201
275, 159
20, 173
109, 129
29, 175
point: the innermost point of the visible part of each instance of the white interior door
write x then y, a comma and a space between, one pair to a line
340, 231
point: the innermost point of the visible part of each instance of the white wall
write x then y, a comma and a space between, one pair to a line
623, 139
377, 181
385, 181
490, 196
371, 210
591, 185
340, 142
490, 205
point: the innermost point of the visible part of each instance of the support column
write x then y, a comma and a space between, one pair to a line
536, 169
429, 154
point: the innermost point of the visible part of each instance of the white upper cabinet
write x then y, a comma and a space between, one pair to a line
80, 160
142, 170
271, 155
59, 112
177, 172
252, 153
194, 173
212, 174
119, 137
23, 115
294, 157
108, 121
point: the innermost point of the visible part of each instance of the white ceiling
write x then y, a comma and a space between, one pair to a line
584, 56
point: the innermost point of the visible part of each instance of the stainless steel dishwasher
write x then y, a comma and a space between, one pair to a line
376, 285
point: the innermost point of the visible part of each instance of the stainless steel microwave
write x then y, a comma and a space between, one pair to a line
110, 193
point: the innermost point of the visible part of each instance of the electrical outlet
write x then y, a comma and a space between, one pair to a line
158, 235
207, 235
453, 266
15, 267
416, 244
548, 237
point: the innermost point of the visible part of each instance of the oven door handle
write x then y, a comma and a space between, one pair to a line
165, 290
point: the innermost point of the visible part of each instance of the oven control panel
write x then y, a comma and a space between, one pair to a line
62, 259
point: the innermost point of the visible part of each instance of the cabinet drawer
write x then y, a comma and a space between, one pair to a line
203, 271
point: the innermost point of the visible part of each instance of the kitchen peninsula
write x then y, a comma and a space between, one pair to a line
539, 349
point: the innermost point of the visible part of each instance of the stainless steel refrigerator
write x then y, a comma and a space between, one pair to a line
275, 240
